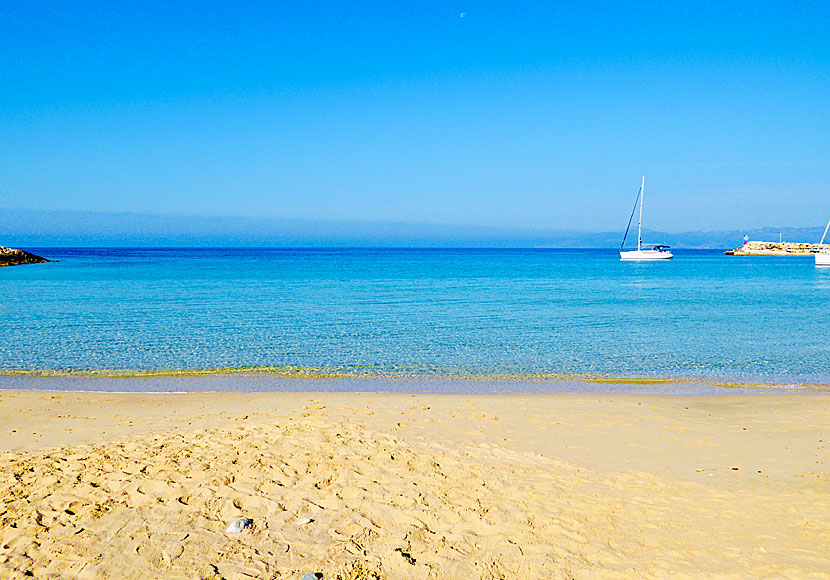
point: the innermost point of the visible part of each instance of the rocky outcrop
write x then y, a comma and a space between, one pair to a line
777, 249
12, 257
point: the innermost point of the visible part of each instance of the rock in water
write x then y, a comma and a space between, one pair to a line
12, 257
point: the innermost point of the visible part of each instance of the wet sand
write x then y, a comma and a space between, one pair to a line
104, 485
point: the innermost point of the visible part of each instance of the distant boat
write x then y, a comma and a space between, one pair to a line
657, 252
823, 256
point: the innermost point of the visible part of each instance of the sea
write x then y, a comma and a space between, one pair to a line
452, 320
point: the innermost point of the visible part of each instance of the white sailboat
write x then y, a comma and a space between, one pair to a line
657, 252
823, 256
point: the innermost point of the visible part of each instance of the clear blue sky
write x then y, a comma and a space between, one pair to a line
529, 114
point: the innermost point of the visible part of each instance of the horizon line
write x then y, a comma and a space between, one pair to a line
357, 223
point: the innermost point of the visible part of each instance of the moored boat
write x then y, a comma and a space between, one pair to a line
823, 255
656, 252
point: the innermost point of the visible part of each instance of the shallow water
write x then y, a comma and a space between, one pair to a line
420, 312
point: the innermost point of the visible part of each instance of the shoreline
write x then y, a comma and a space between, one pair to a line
414, 485
300, 379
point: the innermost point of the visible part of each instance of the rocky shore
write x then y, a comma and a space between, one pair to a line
12, 257
777, 249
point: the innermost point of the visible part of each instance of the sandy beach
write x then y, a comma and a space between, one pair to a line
382, 486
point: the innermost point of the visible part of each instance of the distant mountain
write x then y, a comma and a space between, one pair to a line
733, 239
32, 229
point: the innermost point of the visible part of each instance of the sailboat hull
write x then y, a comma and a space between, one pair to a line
646, 255
822, 259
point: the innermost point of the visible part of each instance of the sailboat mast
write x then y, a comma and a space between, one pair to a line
825, 233
640, 221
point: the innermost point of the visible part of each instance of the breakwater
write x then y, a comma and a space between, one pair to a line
777, 249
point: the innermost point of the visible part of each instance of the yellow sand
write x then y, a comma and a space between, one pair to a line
414, 486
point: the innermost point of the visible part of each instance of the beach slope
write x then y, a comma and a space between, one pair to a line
413, 486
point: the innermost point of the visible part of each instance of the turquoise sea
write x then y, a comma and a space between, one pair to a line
426, 313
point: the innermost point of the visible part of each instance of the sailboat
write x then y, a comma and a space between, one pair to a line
823, 256
658, 252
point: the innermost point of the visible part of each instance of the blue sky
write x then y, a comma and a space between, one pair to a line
527, 115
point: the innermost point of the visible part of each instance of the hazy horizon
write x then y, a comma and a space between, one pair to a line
109, 229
